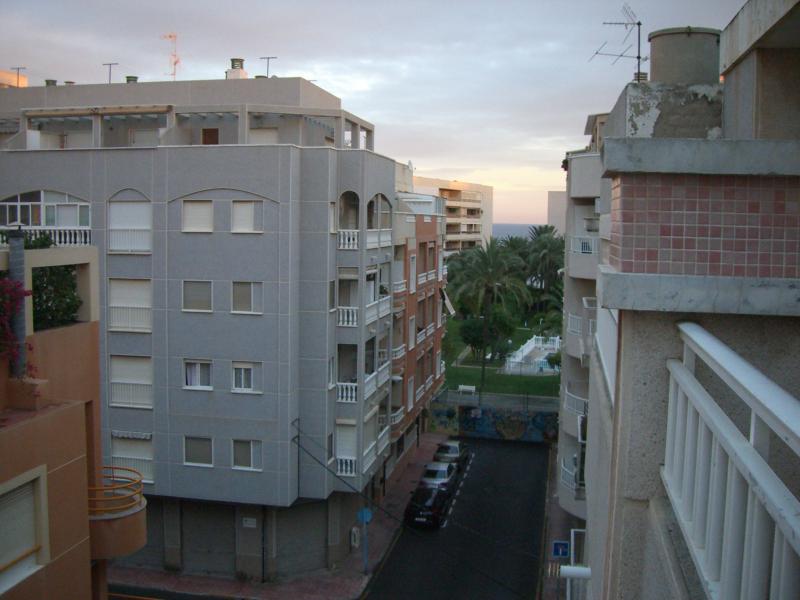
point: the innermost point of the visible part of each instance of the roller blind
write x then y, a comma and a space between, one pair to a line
242, 454
197, 295
132, 369
244, 216
265, 135
129, 215
130, 448
197, 450
346, 445
18, 516
129, 292
198, 215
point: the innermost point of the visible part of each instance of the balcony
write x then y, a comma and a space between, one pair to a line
61, 236
399, 352
430, 329
383, 439
348, 239
137, 319
583, 257
346, 466
420, 392
444, 271
370, 454
347, 316
569, 477
384, 306
384, 372
378, 308
429, 383
143, 466
574, 335
117, 515
347, 392
421, 335
370, 384
378, 238
738, 519
398, 287
397, 417
432, 275
422, 278
131, 394
130, 241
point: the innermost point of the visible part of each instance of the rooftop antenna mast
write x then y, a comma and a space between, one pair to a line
174, 59
631, 21
18, 69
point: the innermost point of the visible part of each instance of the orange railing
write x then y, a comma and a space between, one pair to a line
121, 490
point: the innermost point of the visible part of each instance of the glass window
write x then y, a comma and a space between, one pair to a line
243, 377
197, 451
247, 297
242, 454
197, 374
197, 296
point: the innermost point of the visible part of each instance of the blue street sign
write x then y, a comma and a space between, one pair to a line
560, 549
365, 515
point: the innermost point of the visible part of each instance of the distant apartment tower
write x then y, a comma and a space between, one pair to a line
62, 513
680, 435
468, 211
247, 255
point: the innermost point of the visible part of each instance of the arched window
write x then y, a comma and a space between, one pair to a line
386, 212
348, 211
372, 216
45, 209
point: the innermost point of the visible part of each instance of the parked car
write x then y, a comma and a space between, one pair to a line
440, 475
452, 451
428, 506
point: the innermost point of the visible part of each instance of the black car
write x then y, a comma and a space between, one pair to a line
428, 506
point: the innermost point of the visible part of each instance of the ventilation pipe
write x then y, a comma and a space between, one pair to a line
50, 82
69, 83
131, 78
237, 69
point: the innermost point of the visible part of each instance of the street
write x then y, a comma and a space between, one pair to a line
489, 545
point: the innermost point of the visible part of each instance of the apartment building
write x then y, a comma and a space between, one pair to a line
679, 421
557, 210
468, 211
62, 513
244, 229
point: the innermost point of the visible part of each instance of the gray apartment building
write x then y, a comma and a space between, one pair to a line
244, 229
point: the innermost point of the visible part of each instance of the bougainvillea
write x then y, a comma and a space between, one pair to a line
12, 296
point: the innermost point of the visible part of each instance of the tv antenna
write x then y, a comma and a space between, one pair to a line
631, 21
109, 65
18, 69
174, 59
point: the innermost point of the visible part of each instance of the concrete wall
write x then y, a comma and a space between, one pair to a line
557, 211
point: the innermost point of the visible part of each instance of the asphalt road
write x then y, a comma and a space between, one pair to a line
489, 545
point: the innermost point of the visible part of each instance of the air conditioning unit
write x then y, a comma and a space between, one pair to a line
355, 537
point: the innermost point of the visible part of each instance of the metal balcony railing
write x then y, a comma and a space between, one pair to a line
574, 324
398, 287
422, 278
568, 475
421, 335
740, 522
120, 491
574, 403
583, 245
420, 392
429, 382
130, 240
131, 394
130, 318
383, 439
370, 384
384, 372
399, 352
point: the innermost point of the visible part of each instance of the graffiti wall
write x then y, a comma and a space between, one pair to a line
494, 423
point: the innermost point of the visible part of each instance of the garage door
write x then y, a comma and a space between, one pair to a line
209, 539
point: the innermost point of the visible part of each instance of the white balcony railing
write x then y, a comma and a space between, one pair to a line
131, 394
583, 245
430, 329
384, 372
347, 316
383, 438
130, 240
398, 287
397, 416
346, 392
72, 236
370, 384
444, 271
399, 352
348, 239
592, 326
378, 238
143, 465
421, 335
382, 420
130, 318
422, 278
432, 275
384, 306
420, 392
575, 403
429, 382
380, 307
740, 522
370, 454
574, 324
346, 466
568, 478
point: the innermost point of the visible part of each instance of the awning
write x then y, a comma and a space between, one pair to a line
447, 303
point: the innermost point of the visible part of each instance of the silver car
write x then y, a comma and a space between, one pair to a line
440, 475
453, 452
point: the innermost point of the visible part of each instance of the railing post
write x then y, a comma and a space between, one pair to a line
701, 485
680, 441
689, 462
758, 533
716, 510
733, 542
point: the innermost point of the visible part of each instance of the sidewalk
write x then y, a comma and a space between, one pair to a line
346, 583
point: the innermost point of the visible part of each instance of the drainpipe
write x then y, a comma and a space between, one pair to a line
16, 272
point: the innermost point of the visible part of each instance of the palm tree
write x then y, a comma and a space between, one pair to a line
546, 258
492, 277
537, 231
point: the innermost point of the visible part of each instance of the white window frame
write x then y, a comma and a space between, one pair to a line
259, 284
109, 284
236, 467
204, 361
332, 371
38, 476
183, 216
256, 206
111, 382
244, 364
412, 332
198, 310
194, 464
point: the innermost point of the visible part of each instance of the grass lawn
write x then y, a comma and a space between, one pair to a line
519, 337
546, 385
453, 344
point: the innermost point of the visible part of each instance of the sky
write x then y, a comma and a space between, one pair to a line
486, 92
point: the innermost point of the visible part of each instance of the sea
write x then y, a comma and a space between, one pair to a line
501, 230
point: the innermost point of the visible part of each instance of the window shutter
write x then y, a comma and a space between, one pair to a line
129, 215
197, 295
242, 454
242, 296
132, 369
132, 448
198, 450
264, 135
18, 516
129, 292
244, 216
346, 445
198, 215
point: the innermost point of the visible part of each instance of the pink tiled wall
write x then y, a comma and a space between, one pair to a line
705, 225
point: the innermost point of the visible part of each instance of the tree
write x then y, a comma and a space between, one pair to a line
490, 277
55, 291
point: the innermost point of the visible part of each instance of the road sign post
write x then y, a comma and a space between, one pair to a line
364, 517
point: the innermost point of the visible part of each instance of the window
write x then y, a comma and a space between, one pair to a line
198, 451
129, 227
45, 208
131, 381
197, 374
332, 295
346, 441
129, 305
210, 136
332, 217
247, 454
412, 274
134, 451
412, 332
23, 513
243, 377
247, 297
198, 215
331, 371
244, 217
197, 296
330, 447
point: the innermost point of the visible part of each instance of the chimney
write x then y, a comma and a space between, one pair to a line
69, 83
640, 77
50, 82
237, 69
131, 78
